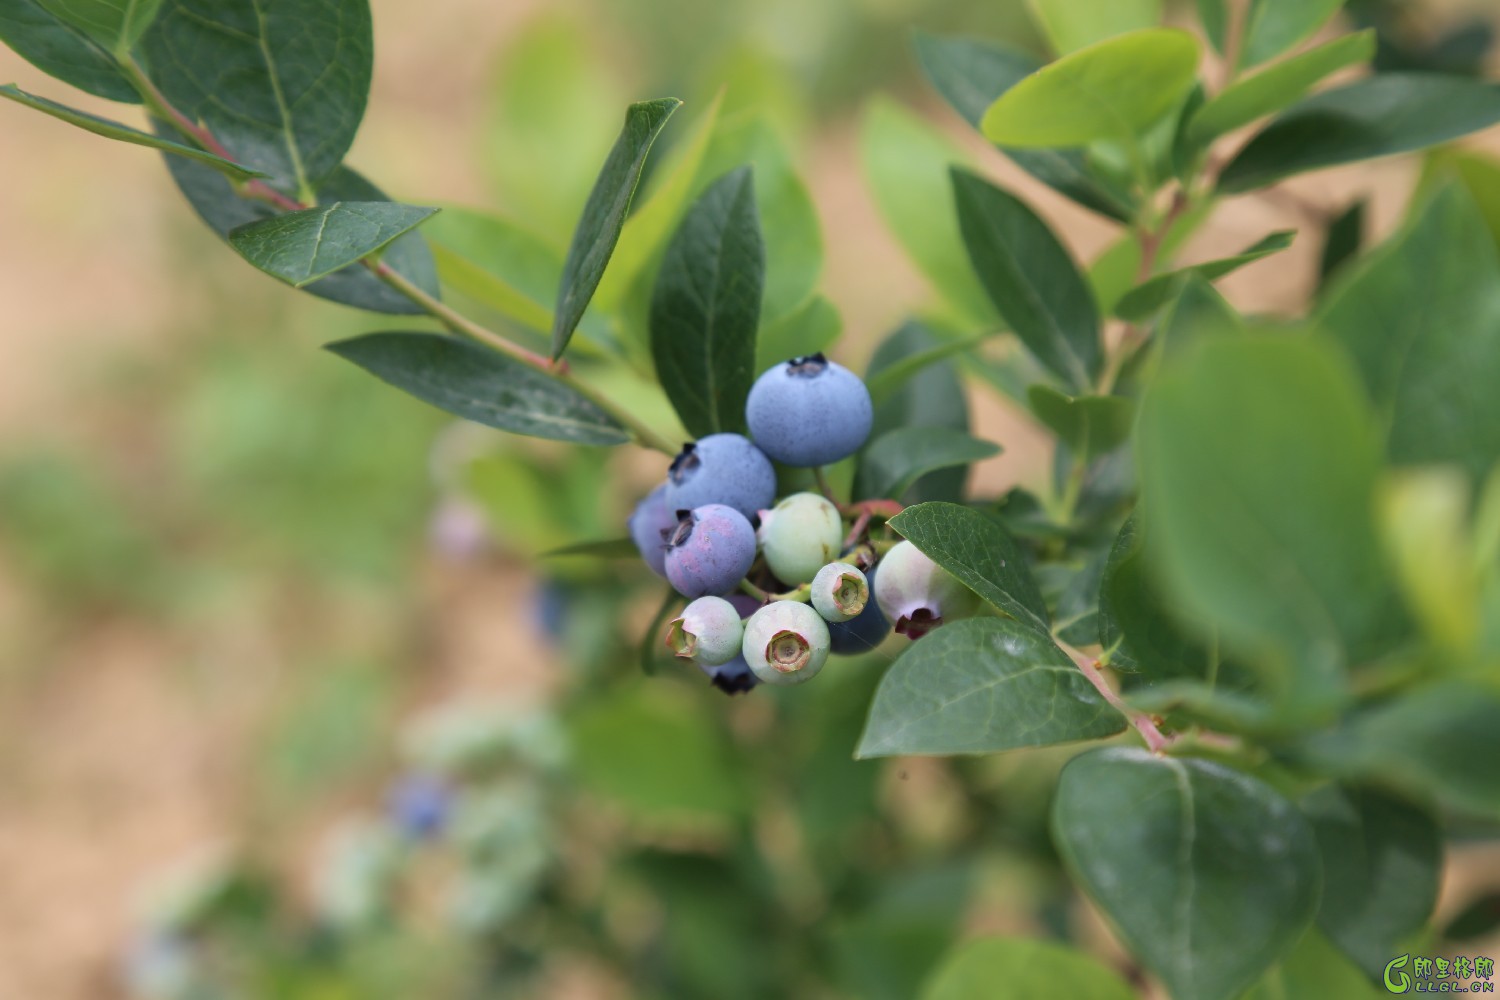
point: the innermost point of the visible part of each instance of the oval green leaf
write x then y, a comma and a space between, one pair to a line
1276, 26
115, 24
64, 51
1074, 24
1023, 969
481, 385
897, 459
1088, 425
983, 685
1145, 300
301, 247
1208, 875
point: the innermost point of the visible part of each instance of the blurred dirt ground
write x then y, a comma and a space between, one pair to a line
113, 763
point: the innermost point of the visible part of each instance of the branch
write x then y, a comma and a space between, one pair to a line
1156, 741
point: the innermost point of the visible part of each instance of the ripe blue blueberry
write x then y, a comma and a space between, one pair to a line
840, 592
865, 631
799, 535
809, 411
786, 642
709, 630
918, 594
733, 677
721, 468
709, 551
651, 521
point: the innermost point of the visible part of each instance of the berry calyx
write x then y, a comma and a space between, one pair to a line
839, 592
917, 594
709, 630
785, 643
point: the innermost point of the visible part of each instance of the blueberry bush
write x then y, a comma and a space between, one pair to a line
1258, 611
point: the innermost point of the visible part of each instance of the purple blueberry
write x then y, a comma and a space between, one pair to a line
786, 642
650, 523
918, 594
709, 551
864, 631
709, 630
734, 677
721, 468
809, 411
419, 805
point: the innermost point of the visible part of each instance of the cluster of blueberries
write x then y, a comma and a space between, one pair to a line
715, 524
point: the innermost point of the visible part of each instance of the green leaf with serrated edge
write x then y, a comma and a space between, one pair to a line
1273, 89
932, 397
905, 164
706, 307
980, 554
61, 50
1437, 743
1208, 875
1031, 278
971, 75
1381, 863
1419, 317
811, 328
889, 379
301, 247
1276, 26
1143, 302
1386, 114
604, 215
1214, 16
481, 385
894, 461
215, 201
283, 89
1258, 461
1071, 25
124, 133
1112, 90
1088, 425
983, 685
115, 24
611, 548
1342, 242
1026, 968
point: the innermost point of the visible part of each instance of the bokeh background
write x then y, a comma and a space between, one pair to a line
232, 566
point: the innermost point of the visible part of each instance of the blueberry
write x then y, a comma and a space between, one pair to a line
840, 592
799, 535
809, 411
721, 468
709, 630
918, 594
786, 643
650, 522
419, 805
709, 551
733, 677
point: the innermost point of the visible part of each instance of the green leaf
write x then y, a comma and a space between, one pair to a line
894, 461
655, 753
114, 130
1031, 278
1112, 90
1200, 312
283, 89
215, 201
1479, 174
481, 385
886, 950
1342, 242
811, 328
610, 548
1214, 16
1386, 114
891, 378
1315, 970
706, 307
1259, 465
1145, 300
1273, 89
301, 247
604, 215
971, 75
115, 24
1276, 26
933, 396
980, 553
983, 685
61, 50
1088, 425
1419, 318
1208, 875
906, 165
1074, 24
1025, 969
1437, 743
1381, 863
1477, 919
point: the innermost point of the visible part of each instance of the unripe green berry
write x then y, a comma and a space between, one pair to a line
917, 594
799, 535
840, 592
785, 643
709, 630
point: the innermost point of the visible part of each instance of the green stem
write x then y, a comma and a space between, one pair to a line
1156, 740
801, 594
821, 475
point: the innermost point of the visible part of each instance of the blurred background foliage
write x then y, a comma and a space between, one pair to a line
252, 598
